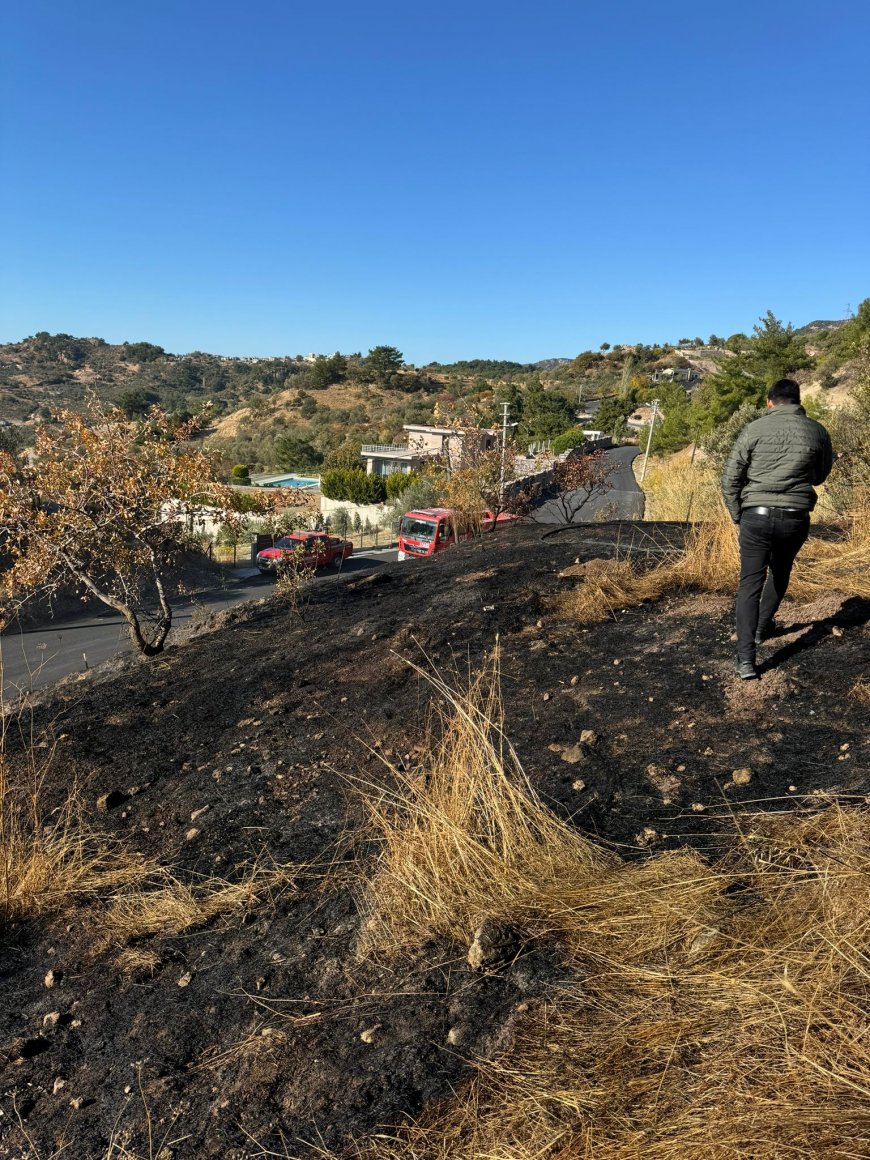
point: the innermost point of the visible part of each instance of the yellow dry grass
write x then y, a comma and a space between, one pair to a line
53, 860
50, 860
680, 489
838, 561
168, 907
718, 1011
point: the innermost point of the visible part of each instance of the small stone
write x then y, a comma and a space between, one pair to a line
185, 979
555, 747
50, 1019
741, 776
792, 789
589, 737
368, 1036
51, 978
572, 754
58, 1084
198, 813
681, 769
844, 746
698, 807
545, 697
574, 680
646, 837
579, 785
192, 833
836, 631
493, 942
617, 662
663, 781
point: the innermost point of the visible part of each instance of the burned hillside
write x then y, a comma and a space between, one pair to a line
218, 1001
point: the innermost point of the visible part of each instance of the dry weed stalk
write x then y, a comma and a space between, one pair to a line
721, 1012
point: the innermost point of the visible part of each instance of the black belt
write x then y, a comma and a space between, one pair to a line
765, 511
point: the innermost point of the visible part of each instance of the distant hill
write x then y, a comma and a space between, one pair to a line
49, 371
822, 324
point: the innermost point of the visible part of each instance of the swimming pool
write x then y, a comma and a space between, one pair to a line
291, 481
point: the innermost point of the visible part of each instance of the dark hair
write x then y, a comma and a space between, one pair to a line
784, 391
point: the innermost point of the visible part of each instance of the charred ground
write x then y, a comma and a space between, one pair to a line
245, 1038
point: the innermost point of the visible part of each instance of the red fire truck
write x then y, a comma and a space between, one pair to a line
425, 531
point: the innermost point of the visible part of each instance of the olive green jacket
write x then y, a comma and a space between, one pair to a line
775, 461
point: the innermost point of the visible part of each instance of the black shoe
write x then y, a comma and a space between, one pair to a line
746, 670
765, 632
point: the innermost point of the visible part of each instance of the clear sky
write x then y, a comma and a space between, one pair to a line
485, 178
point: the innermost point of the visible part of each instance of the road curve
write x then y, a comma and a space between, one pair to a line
624, 500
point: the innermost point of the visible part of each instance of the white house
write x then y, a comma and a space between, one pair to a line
457, 447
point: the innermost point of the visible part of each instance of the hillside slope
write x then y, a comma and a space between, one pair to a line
262, 1031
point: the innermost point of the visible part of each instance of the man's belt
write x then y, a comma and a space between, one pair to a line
765, 511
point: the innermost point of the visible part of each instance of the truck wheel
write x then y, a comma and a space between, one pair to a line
338, 560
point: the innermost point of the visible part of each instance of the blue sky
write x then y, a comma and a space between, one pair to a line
476, 179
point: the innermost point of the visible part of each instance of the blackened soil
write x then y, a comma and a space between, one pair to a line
263, 1033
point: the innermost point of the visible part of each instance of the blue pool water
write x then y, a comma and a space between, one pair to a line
292, 481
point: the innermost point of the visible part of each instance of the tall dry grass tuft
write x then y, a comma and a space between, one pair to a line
720, 1012
467, 838
681, 489
50, 859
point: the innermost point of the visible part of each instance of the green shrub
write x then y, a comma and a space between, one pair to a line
573, 437
352, 485
399, 482
241, 474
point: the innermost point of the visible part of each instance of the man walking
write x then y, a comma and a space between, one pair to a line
768, 489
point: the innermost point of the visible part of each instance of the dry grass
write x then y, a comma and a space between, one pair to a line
53, 860
710, 562
860, 692
678, 489
50, 860
720, 1011
167, 907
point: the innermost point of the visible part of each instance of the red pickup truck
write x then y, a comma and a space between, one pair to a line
304, 550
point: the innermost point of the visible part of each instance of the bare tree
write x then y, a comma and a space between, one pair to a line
577, 480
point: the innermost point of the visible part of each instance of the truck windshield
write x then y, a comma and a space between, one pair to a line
414, 529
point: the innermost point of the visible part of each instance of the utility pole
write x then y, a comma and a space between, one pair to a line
505, 408
652, 423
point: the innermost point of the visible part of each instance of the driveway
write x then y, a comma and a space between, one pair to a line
623, 501
35, 657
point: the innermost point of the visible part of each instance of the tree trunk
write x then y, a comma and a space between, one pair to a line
148, 648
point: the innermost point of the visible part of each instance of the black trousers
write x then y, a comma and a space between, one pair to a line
768, 547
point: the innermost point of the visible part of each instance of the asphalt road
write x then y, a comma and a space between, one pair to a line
33, 658
623, 501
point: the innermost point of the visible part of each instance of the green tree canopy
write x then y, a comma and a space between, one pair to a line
383, 361
294, 454
545, 413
